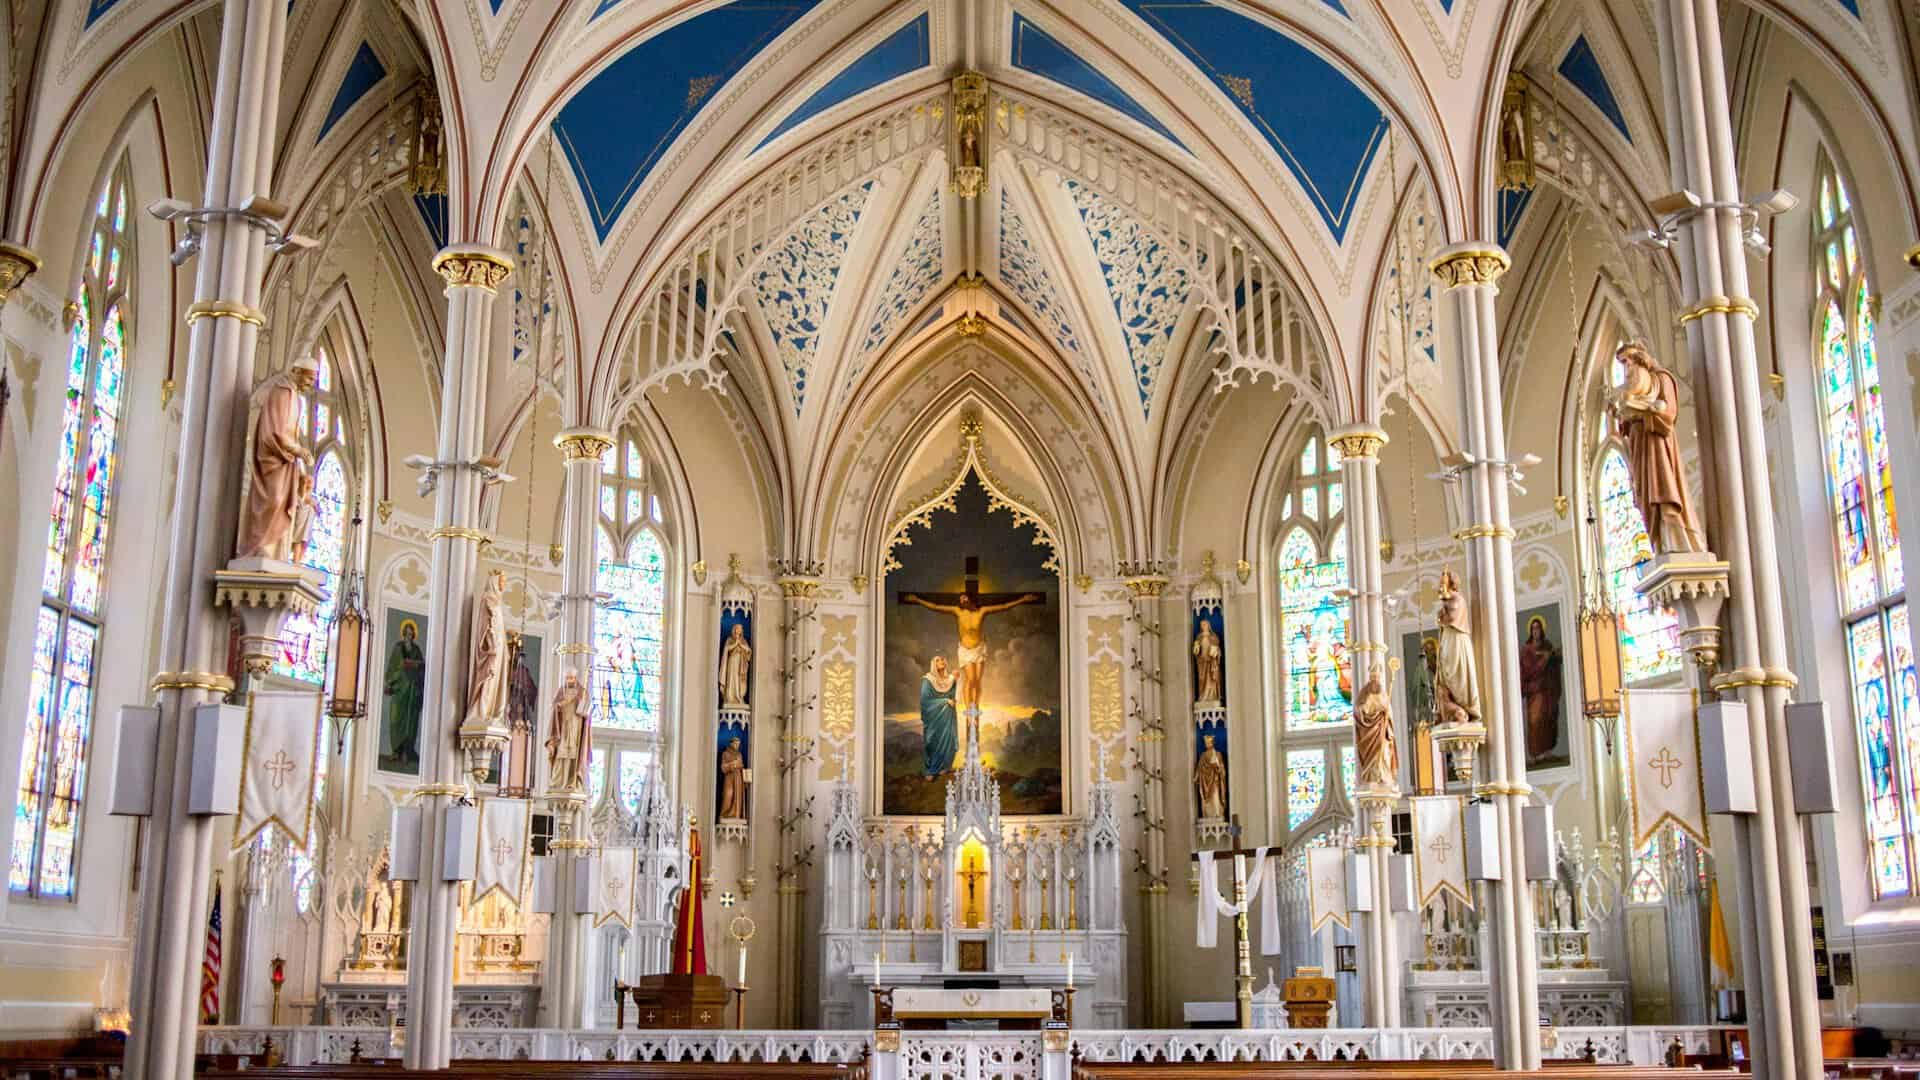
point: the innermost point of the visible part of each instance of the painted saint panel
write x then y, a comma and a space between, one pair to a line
403, 689
1543, 688
972, 613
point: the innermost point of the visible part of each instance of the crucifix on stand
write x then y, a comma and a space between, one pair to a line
969, 609
1242, 954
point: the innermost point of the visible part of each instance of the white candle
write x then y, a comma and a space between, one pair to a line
876, 967
743, 964
1069, 971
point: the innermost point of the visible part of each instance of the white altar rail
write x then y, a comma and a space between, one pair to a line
954, 1055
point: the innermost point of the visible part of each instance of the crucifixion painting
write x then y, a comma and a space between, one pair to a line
972, 659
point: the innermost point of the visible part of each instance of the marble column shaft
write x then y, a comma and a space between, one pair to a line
1719, 315
565, 972
1467, 273
169, 930
1359, 447
472, 273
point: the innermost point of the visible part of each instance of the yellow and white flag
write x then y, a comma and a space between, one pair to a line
1327, 887
1439, 847
614, 885
1663, 750
502, 860
278, 765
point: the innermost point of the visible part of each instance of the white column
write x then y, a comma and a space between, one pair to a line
1148, 585
1359, 447
1468, 273
472, 272
564, 977
1719, 315
224, 326
800, 587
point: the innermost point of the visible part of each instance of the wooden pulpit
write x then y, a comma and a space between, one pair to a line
679, 1001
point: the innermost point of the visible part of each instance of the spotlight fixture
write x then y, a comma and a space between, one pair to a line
259, 211
1676, 208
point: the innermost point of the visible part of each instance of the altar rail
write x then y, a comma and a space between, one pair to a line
954, 1055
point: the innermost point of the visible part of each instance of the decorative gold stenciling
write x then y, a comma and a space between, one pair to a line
1106, 708
836, 701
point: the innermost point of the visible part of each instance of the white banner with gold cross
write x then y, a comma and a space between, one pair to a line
279, 764
1662, 744
1439, 847
1327, 887
616, 869
502, 859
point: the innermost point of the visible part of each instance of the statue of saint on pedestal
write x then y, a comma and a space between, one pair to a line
1456, 681
1645, 409
1210, 781
570, 739
1206, 665
733, 782
736, 664
278, 472
487, 692
1379, 756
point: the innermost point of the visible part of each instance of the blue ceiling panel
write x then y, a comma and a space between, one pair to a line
907, 49
1851, 5
1582, 68
1446, 6
97, 8
619, 126
1037, 52
363, 74
1512, 205
433, 213
1323, 126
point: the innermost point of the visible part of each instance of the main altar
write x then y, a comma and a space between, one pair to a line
973, 902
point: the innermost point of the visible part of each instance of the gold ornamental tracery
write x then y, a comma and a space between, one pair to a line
972, 458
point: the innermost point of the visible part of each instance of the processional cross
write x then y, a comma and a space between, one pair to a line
1243, 958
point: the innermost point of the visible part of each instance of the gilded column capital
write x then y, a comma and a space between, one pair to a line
583, 444
1359, 441
17, 264
474, 266
1149, 586
1469, 264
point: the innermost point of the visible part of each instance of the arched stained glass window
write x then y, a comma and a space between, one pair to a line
629, 627
1306, 785
67, 632
303, 643
1313, 572
1866, 534
1649, 635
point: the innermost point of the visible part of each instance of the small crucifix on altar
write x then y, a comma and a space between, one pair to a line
1242, 954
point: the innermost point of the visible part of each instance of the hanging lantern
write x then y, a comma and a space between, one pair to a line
348, 658
1600, 663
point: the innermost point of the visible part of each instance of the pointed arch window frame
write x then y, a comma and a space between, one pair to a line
633, 517
50, 800
1313, 520
1863, 521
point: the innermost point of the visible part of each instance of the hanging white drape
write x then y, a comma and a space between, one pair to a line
1261, 886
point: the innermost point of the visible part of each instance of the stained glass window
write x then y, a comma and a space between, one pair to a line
1649, 635
1313, 628
636, 768
630, 622
1643, 882
1349, 763
596, 776
303, 643
51, 797
1306, 784
1866, 536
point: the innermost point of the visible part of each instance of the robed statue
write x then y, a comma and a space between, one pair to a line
487, 691
1206, 665
1645, 410
279, 470
736, 665
1456, 681
569, 738
733, 782
1379, 757
939, 720
1210, 781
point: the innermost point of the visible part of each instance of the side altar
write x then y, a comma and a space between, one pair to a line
973, 903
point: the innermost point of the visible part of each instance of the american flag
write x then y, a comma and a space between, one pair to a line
210, 966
